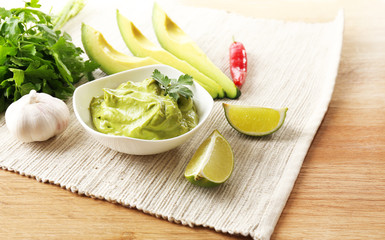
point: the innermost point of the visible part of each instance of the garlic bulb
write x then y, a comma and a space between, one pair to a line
37, 117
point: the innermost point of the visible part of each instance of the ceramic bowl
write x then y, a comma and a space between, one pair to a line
84, 94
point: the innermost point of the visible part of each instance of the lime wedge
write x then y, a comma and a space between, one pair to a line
254, 121
212, 163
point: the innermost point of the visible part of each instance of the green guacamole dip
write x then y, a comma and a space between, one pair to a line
141, 110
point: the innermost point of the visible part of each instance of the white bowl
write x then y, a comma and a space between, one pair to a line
84, 94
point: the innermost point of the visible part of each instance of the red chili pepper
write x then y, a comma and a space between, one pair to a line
238, 63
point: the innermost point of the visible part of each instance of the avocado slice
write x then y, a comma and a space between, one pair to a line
140, 46
173, 39
110, 60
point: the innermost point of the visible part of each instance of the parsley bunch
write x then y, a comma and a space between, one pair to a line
34, 55
174, 87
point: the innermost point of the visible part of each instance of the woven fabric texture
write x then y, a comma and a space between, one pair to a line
291, 64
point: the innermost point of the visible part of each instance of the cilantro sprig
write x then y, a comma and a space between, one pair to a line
35, 55
174, 87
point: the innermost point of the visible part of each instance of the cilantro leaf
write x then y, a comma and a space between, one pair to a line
26, 88
185, 79
36, 54
163, 80
33, 4
174, 87
5, 52
18, 76
4, 13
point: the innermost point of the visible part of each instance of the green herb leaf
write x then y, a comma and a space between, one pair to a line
28, 50
18, 76
160, 78
174, 87
26, 88
3, 71
33, 4
5, 52
185, 79
9, 91
36, 55
4, 13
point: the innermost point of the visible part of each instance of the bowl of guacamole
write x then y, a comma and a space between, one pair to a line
134, 113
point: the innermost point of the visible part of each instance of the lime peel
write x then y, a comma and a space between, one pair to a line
253, 120
212, 163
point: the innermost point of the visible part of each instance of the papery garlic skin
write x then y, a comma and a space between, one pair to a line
37, 117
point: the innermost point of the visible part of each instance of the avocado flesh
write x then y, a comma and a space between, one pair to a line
110, 60
173, 39
140, 46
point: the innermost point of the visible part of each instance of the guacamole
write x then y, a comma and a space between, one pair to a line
142, 110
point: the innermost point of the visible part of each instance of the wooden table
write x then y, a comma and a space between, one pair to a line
340, 191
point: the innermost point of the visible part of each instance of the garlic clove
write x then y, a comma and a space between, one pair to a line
37, 117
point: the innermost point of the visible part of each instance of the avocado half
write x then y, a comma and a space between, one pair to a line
172, 38
110, 60
140, 46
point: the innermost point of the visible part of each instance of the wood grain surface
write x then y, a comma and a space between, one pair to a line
340, 191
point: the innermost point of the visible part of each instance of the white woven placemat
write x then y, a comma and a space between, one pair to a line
291, 64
